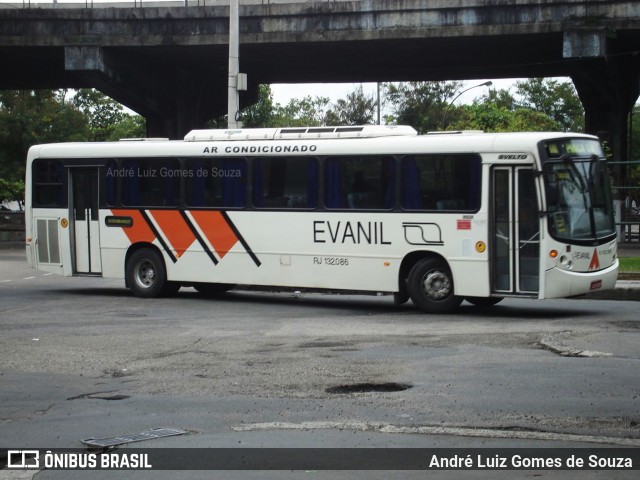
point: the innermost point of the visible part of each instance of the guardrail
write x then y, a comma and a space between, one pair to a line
627, 201
11, 229
140, 3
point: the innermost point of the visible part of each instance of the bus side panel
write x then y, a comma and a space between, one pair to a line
114, 244
50, 249
334, 250
305, 249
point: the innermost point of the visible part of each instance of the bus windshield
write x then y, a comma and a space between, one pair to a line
578, 191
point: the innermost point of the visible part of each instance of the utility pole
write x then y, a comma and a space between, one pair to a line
234, 65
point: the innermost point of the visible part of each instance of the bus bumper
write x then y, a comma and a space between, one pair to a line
559, 283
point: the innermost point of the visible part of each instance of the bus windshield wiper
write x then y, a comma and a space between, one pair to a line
569, 160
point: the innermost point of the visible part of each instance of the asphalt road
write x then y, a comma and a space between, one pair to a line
82, 358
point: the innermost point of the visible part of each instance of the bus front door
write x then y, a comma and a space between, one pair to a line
515, 230
85, 223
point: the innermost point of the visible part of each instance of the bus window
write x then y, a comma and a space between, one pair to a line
217, 182
441, 182
111, 182
285, 182
49, 185
151, 182
366, 182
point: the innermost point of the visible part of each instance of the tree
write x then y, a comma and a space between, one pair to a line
308, 112
424, 105
491, 117
265, 113
30, 117
260, 114
107, 118
356, 109
558, 100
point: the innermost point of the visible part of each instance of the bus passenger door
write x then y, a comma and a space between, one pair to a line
515, 230
84, 217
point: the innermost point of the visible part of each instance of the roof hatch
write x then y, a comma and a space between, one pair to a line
299, 133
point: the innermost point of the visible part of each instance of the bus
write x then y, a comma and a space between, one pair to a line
436, 218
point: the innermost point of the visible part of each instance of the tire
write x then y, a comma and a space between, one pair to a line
430, 286
147, 275
484, 301
213, 289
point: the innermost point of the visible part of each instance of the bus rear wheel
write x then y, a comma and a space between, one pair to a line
146, 274
430, 285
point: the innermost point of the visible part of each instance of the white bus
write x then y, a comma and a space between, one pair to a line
436, 218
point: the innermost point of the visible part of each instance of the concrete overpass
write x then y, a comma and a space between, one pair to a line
169, 63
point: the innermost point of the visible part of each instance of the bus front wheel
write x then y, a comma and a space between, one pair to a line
146, 274
430, 286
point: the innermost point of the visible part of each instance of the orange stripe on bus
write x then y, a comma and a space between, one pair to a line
175, 229
139, 231
216, 229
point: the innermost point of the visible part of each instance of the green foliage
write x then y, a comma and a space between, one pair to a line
629, 264
356, 109
266, 113
302, 113
31, 117
540, 104
424, 105
558, 100
11, 189
490, 117
106, 118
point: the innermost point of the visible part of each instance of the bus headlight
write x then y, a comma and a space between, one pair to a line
566, 261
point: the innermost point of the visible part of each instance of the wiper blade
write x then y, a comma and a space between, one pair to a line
569, 160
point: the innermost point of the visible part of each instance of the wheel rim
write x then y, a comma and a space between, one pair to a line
145, 274
436, 285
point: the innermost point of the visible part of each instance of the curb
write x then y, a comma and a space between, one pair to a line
626, 290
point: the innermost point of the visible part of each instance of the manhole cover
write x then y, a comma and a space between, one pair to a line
139, 437
369, 387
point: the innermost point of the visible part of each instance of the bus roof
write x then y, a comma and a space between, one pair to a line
370, 139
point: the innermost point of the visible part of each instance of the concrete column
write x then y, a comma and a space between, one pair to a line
607, 79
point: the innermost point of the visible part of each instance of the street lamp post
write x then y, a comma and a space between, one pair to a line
234, 65
446, 110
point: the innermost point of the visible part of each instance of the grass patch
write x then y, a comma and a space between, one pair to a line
629, 264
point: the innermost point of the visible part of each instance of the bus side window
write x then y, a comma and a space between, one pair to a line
285, 182
360, 183
151, 182
441, 182
218, 182
49, 189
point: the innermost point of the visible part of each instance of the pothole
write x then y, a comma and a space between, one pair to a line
369, 387
101, 396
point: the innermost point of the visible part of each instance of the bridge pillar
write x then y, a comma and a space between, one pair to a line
173, 100
607, 78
